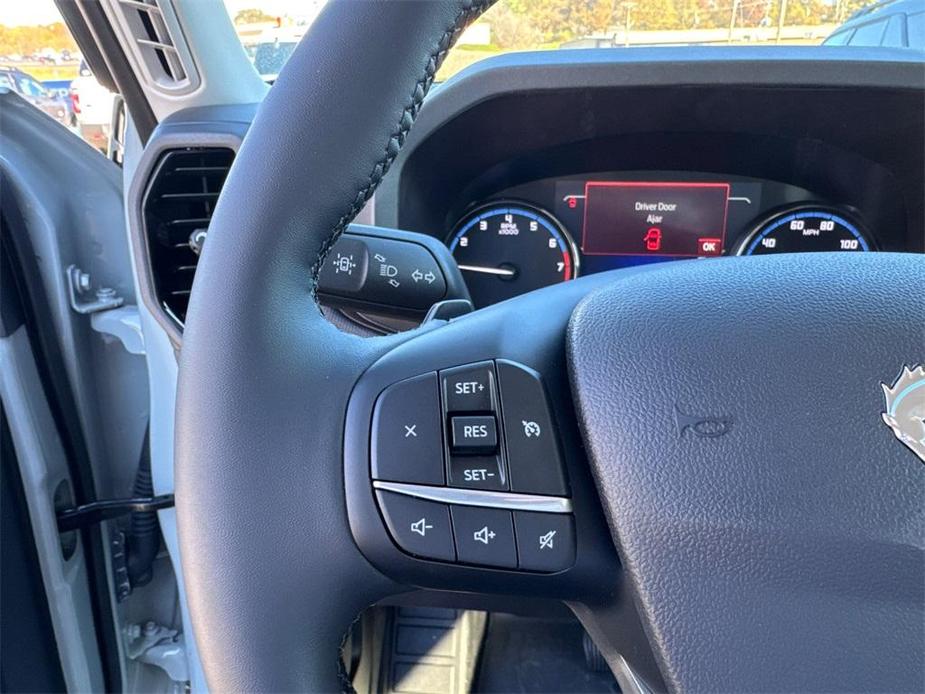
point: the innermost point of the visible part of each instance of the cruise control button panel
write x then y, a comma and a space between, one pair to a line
471, 453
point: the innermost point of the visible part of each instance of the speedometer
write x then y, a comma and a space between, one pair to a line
804, 230
508, 248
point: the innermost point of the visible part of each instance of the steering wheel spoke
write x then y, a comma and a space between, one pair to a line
463, 461
465, 471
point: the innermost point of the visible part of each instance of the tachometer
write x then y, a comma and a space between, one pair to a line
508, 248
805, 230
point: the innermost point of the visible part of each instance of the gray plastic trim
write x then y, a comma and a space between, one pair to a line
476, 497
43, 464
157, 146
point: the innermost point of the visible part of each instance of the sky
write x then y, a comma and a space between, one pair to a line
31, 12
28, 12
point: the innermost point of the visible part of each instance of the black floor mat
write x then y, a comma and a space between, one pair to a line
531, 655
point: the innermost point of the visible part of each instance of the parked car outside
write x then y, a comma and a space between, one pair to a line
92, 104
36, 94
890, 24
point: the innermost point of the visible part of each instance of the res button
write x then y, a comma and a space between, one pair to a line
474, 434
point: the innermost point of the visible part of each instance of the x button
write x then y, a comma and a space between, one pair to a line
407, 443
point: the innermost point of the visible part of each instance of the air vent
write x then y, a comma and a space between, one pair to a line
177, 209
157, 43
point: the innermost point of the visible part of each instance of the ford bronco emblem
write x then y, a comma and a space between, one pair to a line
905, 408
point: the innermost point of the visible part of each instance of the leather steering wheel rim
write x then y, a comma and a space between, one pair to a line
321, 142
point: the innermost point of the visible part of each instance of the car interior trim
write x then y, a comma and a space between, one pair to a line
477, 497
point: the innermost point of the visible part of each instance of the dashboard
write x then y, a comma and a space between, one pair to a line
541, 171
555, 229
539, 168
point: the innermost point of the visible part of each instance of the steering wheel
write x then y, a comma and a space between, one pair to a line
731, 510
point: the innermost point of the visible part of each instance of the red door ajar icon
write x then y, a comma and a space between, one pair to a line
653, 239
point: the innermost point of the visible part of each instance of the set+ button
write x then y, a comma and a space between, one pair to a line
470, 388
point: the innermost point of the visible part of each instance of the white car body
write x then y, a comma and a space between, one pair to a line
92, 104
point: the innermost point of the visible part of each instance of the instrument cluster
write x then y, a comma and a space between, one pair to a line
553, 230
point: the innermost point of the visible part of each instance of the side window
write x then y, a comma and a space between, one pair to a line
40, 61
893, 37
869, 34
915, 28
839, 39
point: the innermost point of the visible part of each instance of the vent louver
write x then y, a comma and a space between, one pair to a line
158, 44
177, 208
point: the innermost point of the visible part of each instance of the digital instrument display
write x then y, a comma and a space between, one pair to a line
805, 230
667, 219
507, 248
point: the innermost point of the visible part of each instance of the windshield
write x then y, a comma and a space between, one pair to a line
270, 29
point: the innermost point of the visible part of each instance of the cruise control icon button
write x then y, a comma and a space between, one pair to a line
531, 429
533, 458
